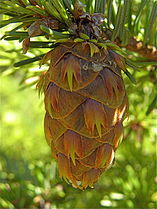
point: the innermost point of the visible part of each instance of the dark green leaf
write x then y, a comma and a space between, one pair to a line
53, 33
152, 20
132, 64
130, 16
37, 10
100, 6
11, 38
41, 44
17, 34
119, 22
152, 105
28, 61
110, 13
130, 76
60, 8
138, 16
145, 64
52, 10
16, 20
125, 36
127, 8
69, 5
14, 8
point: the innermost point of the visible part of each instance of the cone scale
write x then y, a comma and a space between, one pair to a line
85, 103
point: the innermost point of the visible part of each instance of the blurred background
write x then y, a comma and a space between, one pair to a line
28, 174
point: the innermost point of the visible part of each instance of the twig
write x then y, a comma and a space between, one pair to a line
137, 46
146, 51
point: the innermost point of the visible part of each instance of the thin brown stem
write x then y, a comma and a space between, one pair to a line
147, 51
137, 46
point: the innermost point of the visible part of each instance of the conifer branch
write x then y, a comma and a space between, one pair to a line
146, 51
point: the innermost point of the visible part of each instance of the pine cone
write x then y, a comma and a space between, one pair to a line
86, 103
